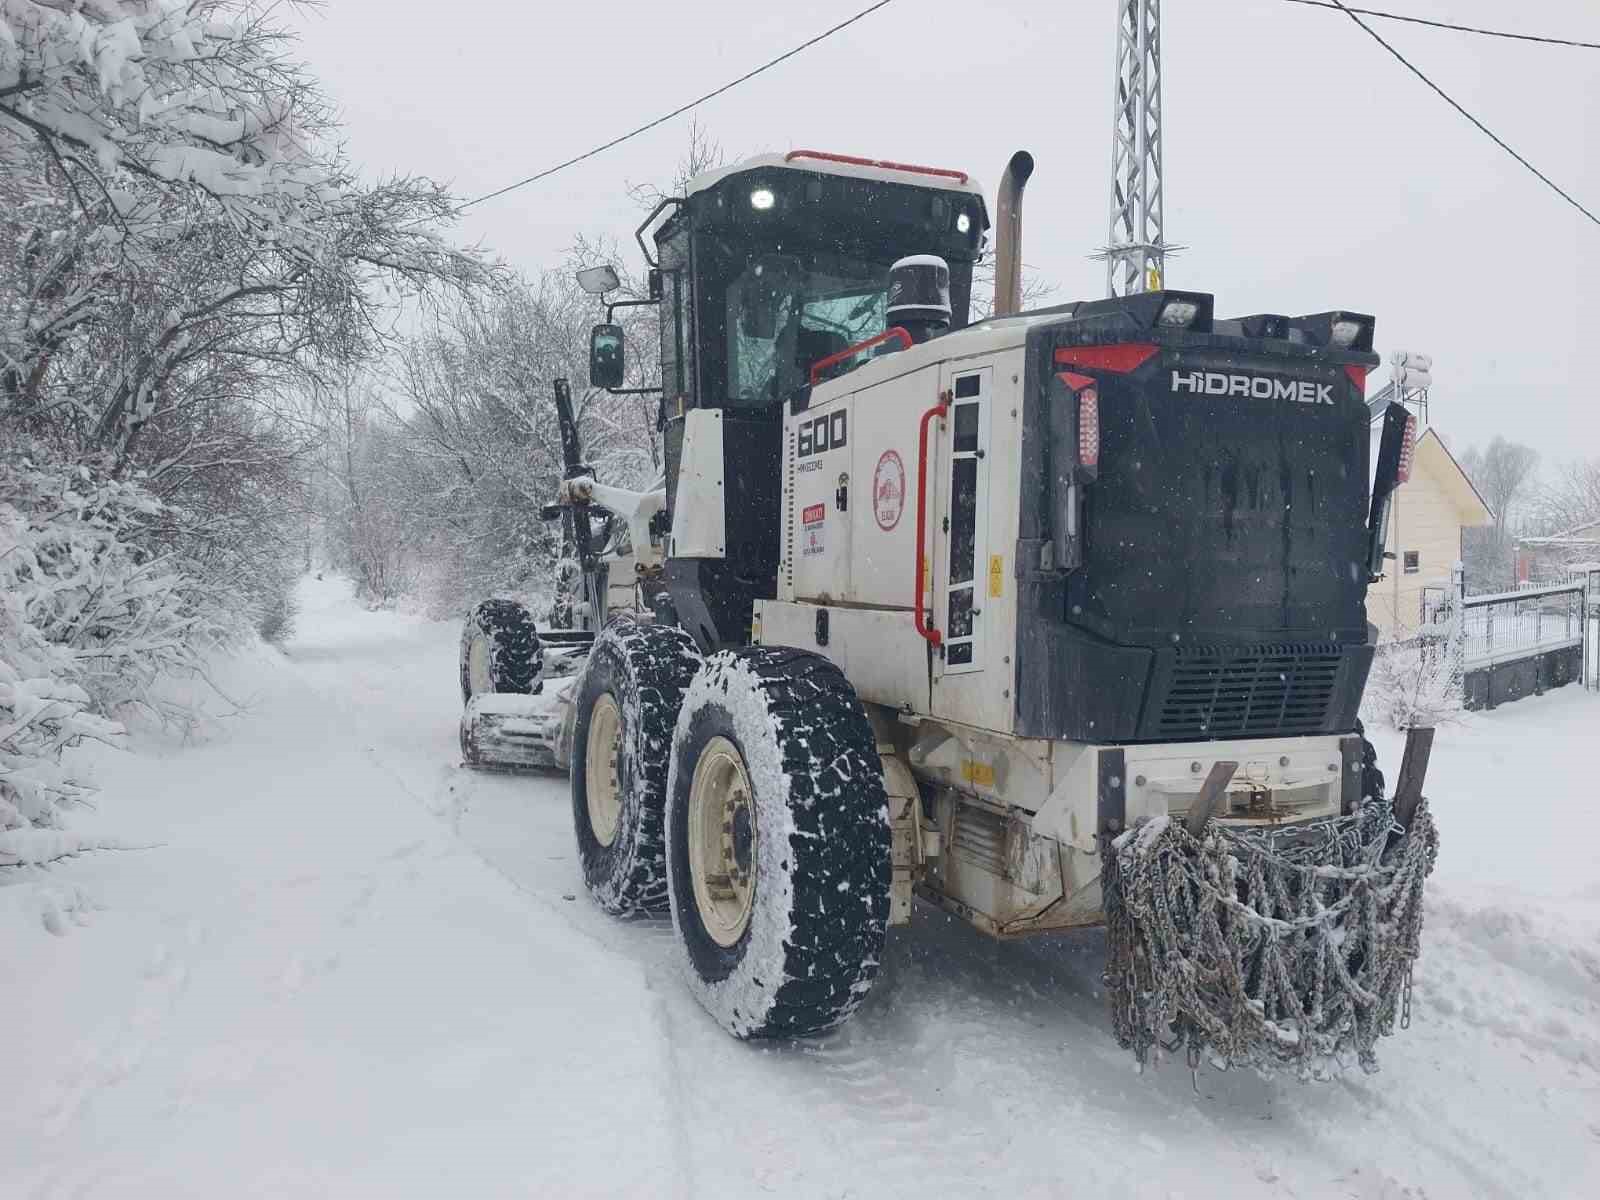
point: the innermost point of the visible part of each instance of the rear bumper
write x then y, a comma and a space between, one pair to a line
1104, 789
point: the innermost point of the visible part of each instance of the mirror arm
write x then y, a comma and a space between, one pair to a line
616, 304
635, 391
638, 234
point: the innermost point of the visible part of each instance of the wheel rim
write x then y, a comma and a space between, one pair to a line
478, 666
722, 841
602, 789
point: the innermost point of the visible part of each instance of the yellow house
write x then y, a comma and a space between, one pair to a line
1425, 522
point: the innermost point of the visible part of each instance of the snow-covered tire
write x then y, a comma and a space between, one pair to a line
500, 650
627, 707
816, 854
1372, 781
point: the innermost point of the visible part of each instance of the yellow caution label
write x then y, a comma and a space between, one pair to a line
979, 774
997, 575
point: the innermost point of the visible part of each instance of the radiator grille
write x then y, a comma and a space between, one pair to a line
1218, 692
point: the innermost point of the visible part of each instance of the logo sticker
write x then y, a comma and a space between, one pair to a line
1254, 387
888, 490
818, 435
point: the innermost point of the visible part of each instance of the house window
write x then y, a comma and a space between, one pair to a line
1411, 564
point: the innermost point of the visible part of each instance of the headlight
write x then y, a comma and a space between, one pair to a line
963, 223
762, 199
1345, 333
1178, 314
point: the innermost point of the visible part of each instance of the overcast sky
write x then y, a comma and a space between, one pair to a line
1306, 169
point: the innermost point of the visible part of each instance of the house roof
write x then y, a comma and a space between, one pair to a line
1460, 474
1587, 534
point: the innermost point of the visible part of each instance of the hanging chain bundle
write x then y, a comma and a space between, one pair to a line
1287, 947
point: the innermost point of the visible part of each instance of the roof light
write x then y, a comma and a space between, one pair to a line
1178, 314
1345, 333
1408, 449
1089, 427
963, 223
880, 164
762, 199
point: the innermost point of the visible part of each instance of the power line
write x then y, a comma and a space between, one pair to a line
1499, 33
679, 111
1489, 133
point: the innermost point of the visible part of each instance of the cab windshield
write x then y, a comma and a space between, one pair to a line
788, 311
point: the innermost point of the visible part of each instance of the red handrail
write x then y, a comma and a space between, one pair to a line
924, 626
838, 356
881, 164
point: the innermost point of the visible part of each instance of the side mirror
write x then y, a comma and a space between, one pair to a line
606, 361
597, 281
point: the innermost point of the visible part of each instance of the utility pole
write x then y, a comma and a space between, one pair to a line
1136, 251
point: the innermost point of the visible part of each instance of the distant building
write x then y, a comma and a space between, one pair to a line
1542, 559
1426, 521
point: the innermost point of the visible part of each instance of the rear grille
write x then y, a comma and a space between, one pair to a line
1219, 692
980, 838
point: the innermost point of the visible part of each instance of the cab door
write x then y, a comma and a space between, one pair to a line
962, 521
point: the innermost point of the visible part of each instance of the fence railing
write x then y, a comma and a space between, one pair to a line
1503, 626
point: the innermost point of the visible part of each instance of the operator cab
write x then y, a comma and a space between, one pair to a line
763, 270
784, 256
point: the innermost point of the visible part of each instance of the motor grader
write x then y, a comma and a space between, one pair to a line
1050, 619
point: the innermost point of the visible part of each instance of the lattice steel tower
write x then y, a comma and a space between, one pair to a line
1136, 252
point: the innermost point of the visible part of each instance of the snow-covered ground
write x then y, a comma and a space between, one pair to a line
351, 968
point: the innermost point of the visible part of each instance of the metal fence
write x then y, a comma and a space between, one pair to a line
1505, 626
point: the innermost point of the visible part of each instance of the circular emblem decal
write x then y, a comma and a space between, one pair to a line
888, 490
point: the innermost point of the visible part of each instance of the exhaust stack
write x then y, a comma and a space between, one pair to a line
1008, 239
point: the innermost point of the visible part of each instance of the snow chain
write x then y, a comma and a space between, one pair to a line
1269, 948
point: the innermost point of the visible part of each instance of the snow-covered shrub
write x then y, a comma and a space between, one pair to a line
95, 608
278, 608
40, 717
1416, 681
93, 566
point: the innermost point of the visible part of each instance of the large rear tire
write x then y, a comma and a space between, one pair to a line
500, 650
778, 854
627, 706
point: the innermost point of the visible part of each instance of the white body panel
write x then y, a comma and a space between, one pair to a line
817, 531
699, 518
883, 490
863, 555
980, 693
880, 653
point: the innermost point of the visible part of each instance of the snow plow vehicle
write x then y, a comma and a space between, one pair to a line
1052, 619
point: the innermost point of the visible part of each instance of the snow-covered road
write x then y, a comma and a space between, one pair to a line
352, 968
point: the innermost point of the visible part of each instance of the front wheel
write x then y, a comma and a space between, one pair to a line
627, 704
778, 863
500, 650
